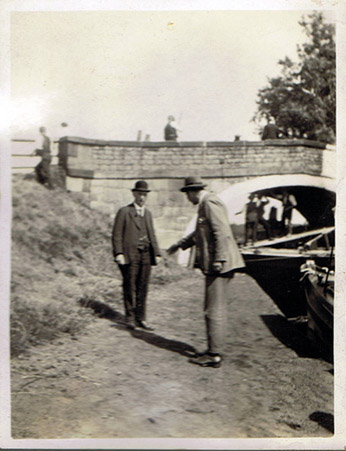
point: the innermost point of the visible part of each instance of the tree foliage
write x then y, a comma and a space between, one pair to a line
302, 100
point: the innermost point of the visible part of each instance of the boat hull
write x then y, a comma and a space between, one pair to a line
279, 275
320, 311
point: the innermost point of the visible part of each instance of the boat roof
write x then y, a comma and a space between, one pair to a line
294, 237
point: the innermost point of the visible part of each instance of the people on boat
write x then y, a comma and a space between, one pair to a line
274, 224
289, 202
251, 219
261, 202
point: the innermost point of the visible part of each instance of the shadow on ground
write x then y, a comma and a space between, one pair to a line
104, 311
326, 420
291, 334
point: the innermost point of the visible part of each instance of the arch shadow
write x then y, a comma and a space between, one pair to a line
291, 334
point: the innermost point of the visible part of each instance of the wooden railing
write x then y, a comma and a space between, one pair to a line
22, 160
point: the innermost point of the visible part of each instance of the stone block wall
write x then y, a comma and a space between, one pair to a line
105, 171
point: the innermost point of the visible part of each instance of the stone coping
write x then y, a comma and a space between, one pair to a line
182, 144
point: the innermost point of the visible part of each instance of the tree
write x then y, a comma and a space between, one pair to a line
302, 100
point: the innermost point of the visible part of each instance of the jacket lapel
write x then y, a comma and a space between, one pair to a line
147, 222
134, 216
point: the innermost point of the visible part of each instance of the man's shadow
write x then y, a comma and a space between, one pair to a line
105, 311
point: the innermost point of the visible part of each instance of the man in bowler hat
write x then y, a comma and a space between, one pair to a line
135, 249
217, 255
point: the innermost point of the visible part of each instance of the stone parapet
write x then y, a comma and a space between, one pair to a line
132, 160
106, 170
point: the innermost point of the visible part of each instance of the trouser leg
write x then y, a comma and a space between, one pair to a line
216, 293
289, 227
286, 221
266, 227
283, 222
142, 284
45, 171
254, 231
129, 273
248, 227
38, 170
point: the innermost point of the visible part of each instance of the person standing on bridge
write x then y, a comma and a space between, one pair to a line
218, 256
135, 250
171, 130
43, 150
272, 131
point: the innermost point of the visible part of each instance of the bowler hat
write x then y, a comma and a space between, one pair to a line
193, 183
141, 185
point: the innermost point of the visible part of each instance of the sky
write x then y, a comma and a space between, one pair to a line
109, 74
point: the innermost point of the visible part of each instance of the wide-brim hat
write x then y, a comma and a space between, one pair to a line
193, 183
142, 186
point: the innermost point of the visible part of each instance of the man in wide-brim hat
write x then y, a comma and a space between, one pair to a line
135, 250
218, 256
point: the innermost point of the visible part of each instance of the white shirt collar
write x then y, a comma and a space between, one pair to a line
139, 210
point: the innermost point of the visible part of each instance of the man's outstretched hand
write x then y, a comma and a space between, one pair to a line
217, 266
173, 249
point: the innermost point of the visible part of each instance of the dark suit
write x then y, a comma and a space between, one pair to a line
214, 242
272, 131
139, 256
43, 168
170, 133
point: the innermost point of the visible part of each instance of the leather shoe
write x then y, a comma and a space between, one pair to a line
206, 360
130, 324
144, 325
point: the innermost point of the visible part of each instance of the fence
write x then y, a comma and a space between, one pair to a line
22, 160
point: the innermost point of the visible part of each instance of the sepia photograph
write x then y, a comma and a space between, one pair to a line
170, 227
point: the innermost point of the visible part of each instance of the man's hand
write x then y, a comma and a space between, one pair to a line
217, 266
173, 249
158, 259
120, 259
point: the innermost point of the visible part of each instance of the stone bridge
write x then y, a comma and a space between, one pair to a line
105, 172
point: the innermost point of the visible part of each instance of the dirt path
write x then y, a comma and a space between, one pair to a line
109, 382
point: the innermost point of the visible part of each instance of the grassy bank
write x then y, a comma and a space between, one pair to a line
61, 259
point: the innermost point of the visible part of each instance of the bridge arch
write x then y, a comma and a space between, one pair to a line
315, 195
315, 198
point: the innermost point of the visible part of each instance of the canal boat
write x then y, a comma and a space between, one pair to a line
318, 285
276, 266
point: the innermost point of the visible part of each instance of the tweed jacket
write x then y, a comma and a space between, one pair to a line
213, 238
126, 231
